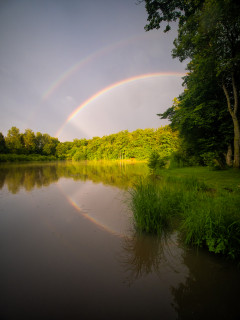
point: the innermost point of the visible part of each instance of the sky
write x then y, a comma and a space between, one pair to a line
81, 68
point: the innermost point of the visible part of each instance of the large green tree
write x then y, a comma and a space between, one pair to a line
209, 35
14, 141
29, 141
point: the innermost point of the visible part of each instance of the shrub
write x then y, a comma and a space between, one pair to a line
157, 160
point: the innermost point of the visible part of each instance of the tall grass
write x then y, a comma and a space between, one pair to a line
152, 207
205, 217
215, 223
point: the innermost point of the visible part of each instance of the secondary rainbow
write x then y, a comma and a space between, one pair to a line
83, 62
115, 85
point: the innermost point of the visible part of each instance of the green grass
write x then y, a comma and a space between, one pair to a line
215, 223
152, 207
216, 179
205, 203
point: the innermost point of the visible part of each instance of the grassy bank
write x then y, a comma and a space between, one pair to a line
23, 157
204, 203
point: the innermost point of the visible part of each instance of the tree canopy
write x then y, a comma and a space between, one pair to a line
209, 36
138, 144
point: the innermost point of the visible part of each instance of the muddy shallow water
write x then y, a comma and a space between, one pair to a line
69, 251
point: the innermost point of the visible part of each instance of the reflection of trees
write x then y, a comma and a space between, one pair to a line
28, 176
211, 291
145, 254
203, 286
117, 174
142, 255
2, 179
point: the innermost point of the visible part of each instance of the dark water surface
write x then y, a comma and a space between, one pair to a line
69, 251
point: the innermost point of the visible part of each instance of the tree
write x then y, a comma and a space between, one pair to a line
2, 143
14, 141
201, 117
29, 141
208, 34
39, 142
49, 144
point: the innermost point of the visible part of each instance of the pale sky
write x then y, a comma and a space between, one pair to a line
57, 54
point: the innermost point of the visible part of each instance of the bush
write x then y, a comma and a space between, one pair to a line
157, 161
213, 160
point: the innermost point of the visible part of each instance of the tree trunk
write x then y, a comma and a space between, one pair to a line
236, 161
228, 156
233, 112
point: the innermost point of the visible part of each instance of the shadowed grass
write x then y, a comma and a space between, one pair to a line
206, 216
214, 222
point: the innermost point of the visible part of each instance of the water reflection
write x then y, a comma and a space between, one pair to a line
45, 242
146, 254
202, 286
30, 176
142, 255
211, 290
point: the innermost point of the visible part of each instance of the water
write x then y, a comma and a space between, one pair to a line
69, 251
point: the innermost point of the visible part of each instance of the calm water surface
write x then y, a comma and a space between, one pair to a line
69, 251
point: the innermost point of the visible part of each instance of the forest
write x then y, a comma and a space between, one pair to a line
139, 144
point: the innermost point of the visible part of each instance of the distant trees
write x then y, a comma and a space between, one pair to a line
138, 144
27, 143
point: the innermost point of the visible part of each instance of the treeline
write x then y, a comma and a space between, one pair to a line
27, 143
139, 144
207, 113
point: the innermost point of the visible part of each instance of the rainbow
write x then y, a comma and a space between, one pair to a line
99, 224
83, 62
113, 86
93, 220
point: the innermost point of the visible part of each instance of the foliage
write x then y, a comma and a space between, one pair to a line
157, 160
25, 157
28, 143
14, 143
215, 223
2, 143
138, 144
207, 116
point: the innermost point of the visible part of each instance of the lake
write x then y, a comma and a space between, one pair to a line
69, 250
